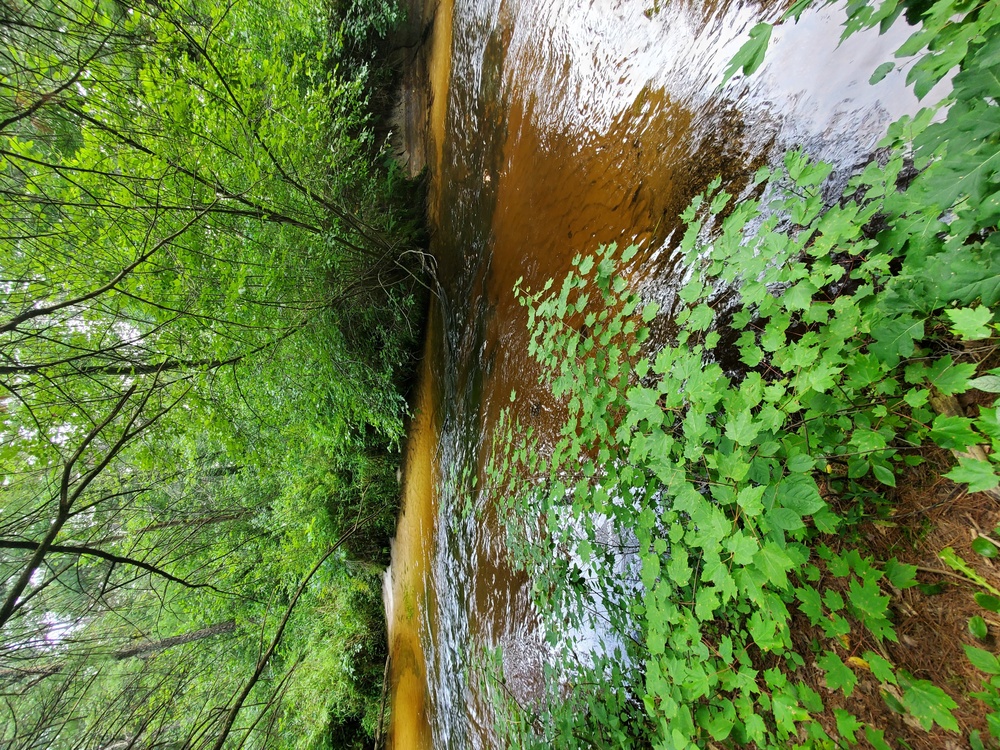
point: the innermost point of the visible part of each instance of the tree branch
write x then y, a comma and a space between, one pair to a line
84, 551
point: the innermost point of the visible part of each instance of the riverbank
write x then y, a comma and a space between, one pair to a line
542, 161
418, 132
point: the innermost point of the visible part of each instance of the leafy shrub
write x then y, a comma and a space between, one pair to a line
684, 508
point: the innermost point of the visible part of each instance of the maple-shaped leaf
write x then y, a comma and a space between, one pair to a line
970, 323
838, 675
894, 338
927, 703
979, 475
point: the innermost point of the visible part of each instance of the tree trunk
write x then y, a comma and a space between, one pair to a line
145, 649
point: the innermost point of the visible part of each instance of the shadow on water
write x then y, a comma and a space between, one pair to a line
553, 130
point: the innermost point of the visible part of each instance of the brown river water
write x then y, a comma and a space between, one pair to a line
551, 128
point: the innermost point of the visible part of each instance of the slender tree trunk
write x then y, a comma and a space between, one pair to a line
150, 647
230, 718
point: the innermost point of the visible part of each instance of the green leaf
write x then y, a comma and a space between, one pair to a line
775, 563
953, 433
751, 54
950, 378
749, 499
701, 318
742, 429
847, 724
977, 627
880, 667
678, 569
643, 404
970, 323
881, 72
988, 601
800, 463
810, 604
786, 709
979, 475
982, 660
867, 599
884, 475
983, 546
894, 337
721, 723
800, 494
987, 383
876, 737
956, 563
927, 703
900, 575
838, 675
933, 589
784, 518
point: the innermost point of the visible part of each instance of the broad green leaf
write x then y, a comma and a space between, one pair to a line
847, 724
894, 337
775, 563
877, 738
979, 475
810, 604
742, 429
987, 383
643, 404
880, 667
800, 463
884, 475
838, 675
950, 378
988, 601
900, 575
982, 660
800, 494
953, 432
928, 703
970, 324
867, 599
786, 709
784, 519
984, 547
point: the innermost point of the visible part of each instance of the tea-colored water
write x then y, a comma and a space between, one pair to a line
554, 128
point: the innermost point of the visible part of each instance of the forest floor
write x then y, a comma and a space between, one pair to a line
923, 516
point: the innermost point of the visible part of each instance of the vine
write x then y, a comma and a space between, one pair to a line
686, 510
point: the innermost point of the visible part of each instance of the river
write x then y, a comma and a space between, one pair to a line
551, 129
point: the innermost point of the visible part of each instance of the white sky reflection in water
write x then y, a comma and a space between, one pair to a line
571, 124
592, 61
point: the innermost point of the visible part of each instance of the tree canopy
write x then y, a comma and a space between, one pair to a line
209, 280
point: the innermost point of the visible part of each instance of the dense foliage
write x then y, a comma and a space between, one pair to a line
209, 290
704, 490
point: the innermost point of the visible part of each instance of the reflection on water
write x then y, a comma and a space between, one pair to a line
556, 127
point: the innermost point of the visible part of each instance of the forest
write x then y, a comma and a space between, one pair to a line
211, 289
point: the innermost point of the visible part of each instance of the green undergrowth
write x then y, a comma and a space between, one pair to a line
211, 314
705, 489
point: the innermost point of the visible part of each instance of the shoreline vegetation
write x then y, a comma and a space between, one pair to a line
213, 287
780, 519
